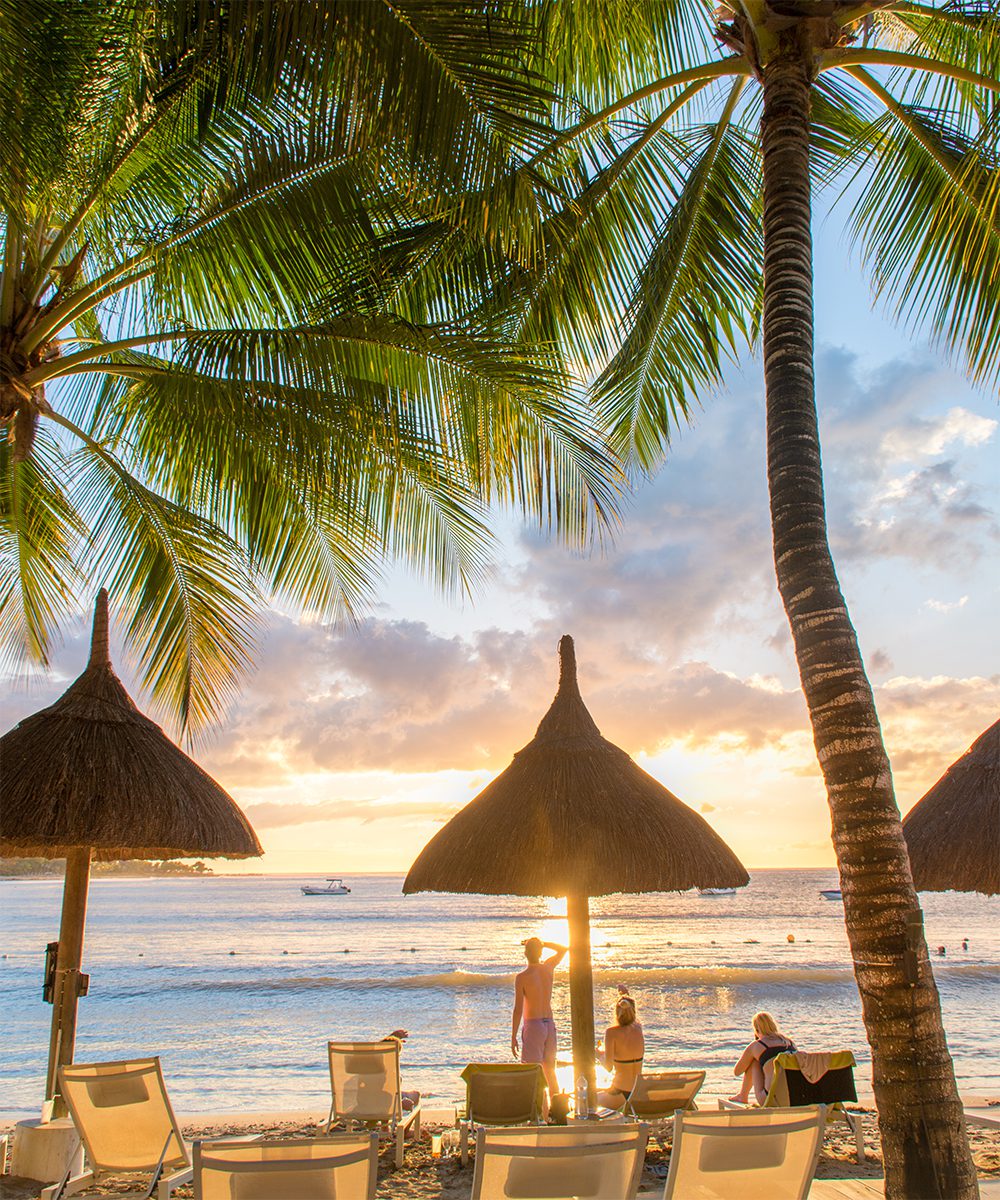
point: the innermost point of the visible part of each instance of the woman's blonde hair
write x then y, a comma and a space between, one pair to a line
625, 1010
764, 1023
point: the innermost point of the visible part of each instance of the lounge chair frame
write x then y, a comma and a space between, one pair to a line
166, 1173
777, 1097
471, 1122
562, 1142
325, 1153
397, 1121
796, 1120
688, 1084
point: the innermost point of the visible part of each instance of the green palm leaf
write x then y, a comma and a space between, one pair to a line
40, 532
928, 224
697, 294
184, 585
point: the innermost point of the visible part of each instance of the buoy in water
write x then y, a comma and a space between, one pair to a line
791, 937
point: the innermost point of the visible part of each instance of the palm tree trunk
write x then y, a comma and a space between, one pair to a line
924, 1143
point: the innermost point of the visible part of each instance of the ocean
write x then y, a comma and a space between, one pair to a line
237, 982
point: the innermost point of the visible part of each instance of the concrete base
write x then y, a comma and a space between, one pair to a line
45, 1152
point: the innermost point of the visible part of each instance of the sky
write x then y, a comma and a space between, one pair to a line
350, 747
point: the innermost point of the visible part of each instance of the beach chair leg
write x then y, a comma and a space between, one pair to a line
67, 1186
855, 1122
463, 1142
400, 1135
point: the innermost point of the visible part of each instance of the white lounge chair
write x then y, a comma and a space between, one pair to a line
364, 1078
657, 1096
123, 1115
502, 1094
597, 1161
344, 1165
791, 1089
754, 1154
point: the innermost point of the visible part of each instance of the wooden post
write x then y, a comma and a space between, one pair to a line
581, 992
68, 961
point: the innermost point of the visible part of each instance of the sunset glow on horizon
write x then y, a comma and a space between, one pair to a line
348, 748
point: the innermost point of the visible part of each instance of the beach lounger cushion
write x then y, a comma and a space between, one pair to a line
337, 1167
578, 1162
752, 1154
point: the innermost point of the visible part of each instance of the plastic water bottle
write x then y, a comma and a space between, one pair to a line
582, 1097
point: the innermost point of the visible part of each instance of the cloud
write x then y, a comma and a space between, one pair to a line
943, 606
271, 815
923, 438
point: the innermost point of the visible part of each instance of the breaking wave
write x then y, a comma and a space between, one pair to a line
665, 977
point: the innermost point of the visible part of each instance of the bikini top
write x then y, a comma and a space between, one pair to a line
773, 1051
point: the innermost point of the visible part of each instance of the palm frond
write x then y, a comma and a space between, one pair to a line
184, 584
40, 534
928, 225
697, 293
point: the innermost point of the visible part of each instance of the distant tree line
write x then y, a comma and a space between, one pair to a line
34, 868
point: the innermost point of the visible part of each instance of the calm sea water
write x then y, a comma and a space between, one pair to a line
238, 982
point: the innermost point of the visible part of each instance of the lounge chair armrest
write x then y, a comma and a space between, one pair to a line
409, 1117
737, 1105
168, 1184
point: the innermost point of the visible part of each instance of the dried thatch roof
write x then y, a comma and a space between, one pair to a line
953, 832
573, 814
91, 770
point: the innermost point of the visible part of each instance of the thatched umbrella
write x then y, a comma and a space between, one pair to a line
953, 832
574, 816
91, 777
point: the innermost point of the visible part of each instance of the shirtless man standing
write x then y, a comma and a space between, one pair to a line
533, 1003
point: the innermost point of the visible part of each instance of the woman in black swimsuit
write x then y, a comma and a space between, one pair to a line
755, 1063
624, 1048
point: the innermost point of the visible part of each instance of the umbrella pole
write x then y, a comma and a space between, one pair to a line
68, 961
581, 991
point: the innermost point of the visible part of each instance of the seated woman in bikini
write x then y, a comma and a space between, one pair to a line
623, 1052
755, 1063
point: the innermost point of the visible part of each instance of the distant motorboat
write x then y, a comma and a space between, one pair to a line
832, 894
334, 887
717, 891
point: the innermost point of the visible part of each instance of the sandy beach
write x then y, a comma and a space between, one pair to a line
426, 1178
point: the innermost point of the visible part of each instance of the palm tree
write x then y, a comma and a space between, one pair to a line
675, 213
212, 386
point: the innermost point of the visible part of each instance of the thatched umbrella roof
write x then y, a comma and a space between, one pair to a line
953, 832
91, 777
91, 770
573, 814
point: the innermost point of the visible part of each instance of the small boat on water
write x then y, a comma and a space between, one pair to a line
832, 894
717, 891
334, 887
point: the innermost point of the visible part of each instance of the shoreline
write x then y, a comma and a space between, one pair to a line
440, 1110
